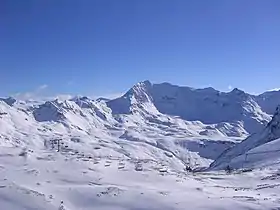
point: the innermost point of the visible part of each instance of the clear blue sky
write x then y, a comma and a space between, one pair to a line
97, 47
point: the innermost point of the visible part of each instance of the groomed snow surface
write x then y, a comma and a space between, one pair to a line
45, 178
131, 153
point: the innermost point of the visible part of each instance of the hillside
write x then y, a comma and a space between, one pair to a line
194, 125
263, 146
132, 152
90, 125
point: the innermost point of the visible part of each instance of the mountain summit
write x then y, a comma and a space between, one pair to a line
138, 96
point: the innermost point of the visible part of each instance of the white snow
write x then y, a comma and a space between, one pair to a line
131, 152
45, 178
259, 146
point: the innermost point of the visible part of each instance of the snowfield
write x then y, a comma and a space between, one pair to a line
45, 178
131, 153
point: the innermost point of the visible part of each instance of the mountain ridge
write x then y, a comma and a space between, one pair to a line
168, 122
207, 105
191, 104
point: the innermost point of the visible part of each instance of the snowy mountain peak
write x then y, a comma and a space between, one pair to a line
49, 111
102, 99
240, 94
238, 91
140, 92
138, 98
81, 98
144, 85
10, 100
82, 101
208, 90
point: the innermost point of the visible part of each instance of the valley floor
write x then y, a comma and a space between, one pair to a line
43, 179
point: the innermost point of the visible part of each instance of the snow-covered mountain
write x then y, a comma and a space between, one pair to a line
206, 105
193, 126
259, 148
129, 152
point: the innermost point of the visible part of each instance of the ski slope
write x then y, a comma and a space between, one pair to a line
43, 179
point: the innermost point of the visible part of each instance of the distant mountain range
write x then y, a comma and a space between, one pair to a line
156, 121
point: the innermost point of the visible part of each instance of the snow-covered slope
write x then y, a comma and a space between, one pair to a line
265, 155
257, 143
144, 133
268, 101
48, 180
88, 124
210, 106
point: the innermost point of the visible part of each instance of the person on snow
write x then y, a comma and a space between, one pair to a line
228, 169
188, 168
61, 206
